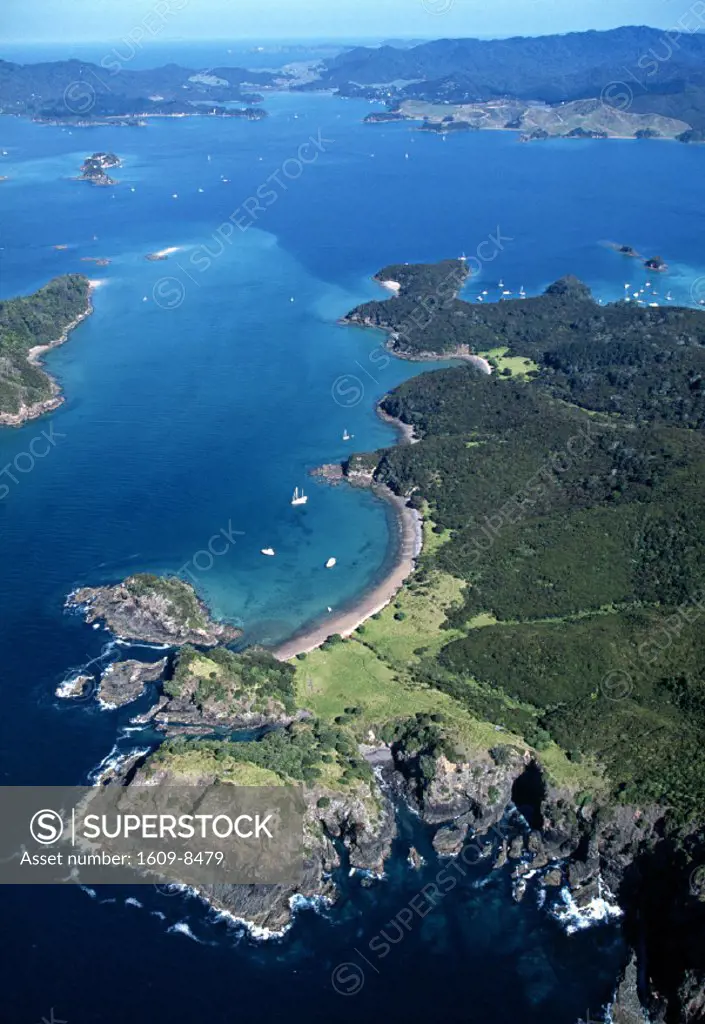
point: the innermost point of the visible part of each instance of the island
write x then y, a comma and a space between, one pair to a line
627, 250
29, 327
152, 609
656, 263
94, 168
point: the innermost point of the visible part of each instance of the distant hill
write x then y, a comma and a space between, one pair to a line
657, 76
72, 88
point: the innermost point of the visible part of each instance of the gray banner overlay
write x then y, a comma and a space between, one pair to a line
187, 835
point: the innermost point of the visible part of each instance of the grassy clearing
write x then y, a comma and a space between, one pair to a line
350, 674
424, 608
519, 365
196, 764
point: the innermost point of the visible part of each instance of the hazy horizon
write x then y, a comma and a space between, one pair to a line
346, 21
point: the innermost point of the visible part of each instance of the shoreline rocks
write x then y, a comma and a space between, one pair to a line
125, 681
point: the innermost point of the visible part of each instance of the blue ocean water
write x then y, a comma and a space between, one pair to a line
200, 392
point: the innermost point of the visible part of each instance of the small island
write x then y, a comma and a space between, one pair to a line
152, 609
627, 250
656, 263
94, 168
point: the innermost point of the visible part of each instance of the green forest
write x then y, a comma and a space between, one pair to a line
573, 506
37, 319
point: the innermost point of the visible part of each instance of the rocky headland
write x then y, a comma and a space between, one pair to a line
216, 690
125, 681
152, 609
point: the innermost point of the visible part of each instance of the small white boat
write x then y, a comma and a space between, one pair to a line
522, 293
669, 297
270, 552
299, 497
200, 190
347, 436
331, 562
175, 195
501, 284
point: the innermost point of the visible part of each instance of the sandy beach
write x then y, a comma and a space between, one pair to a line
392, 286
410, 539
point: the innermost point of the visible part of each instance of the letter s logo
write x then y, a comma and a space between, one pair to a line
46, 827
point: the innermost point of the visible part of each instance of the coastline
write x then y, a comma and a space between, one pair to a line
409, 546
34, 357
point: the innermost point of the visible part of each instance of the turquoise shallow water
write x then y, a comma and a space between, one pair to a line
195, 413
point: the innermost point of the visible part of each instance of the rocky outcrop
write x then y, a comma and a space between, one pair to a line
449, 840
77, 686
152, 609
478, 790
124, 681
94, 168
626, 1008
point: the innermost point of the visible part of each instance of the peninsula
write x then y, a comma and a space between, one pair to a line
29, 327
580, 119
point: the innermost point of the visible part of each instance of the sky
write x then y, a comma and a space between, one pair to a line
74, 21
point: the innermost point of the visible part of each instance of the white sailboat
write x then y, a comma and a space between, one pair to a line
270, 552
347, 436
299, 497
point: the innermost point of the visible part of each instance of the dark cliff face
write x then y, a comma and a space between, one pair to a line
663, 892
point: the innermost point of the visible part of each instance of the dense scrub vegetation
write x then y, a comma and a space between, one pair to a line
302, 752
252, 677
180, 596
31, 320
575, 503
